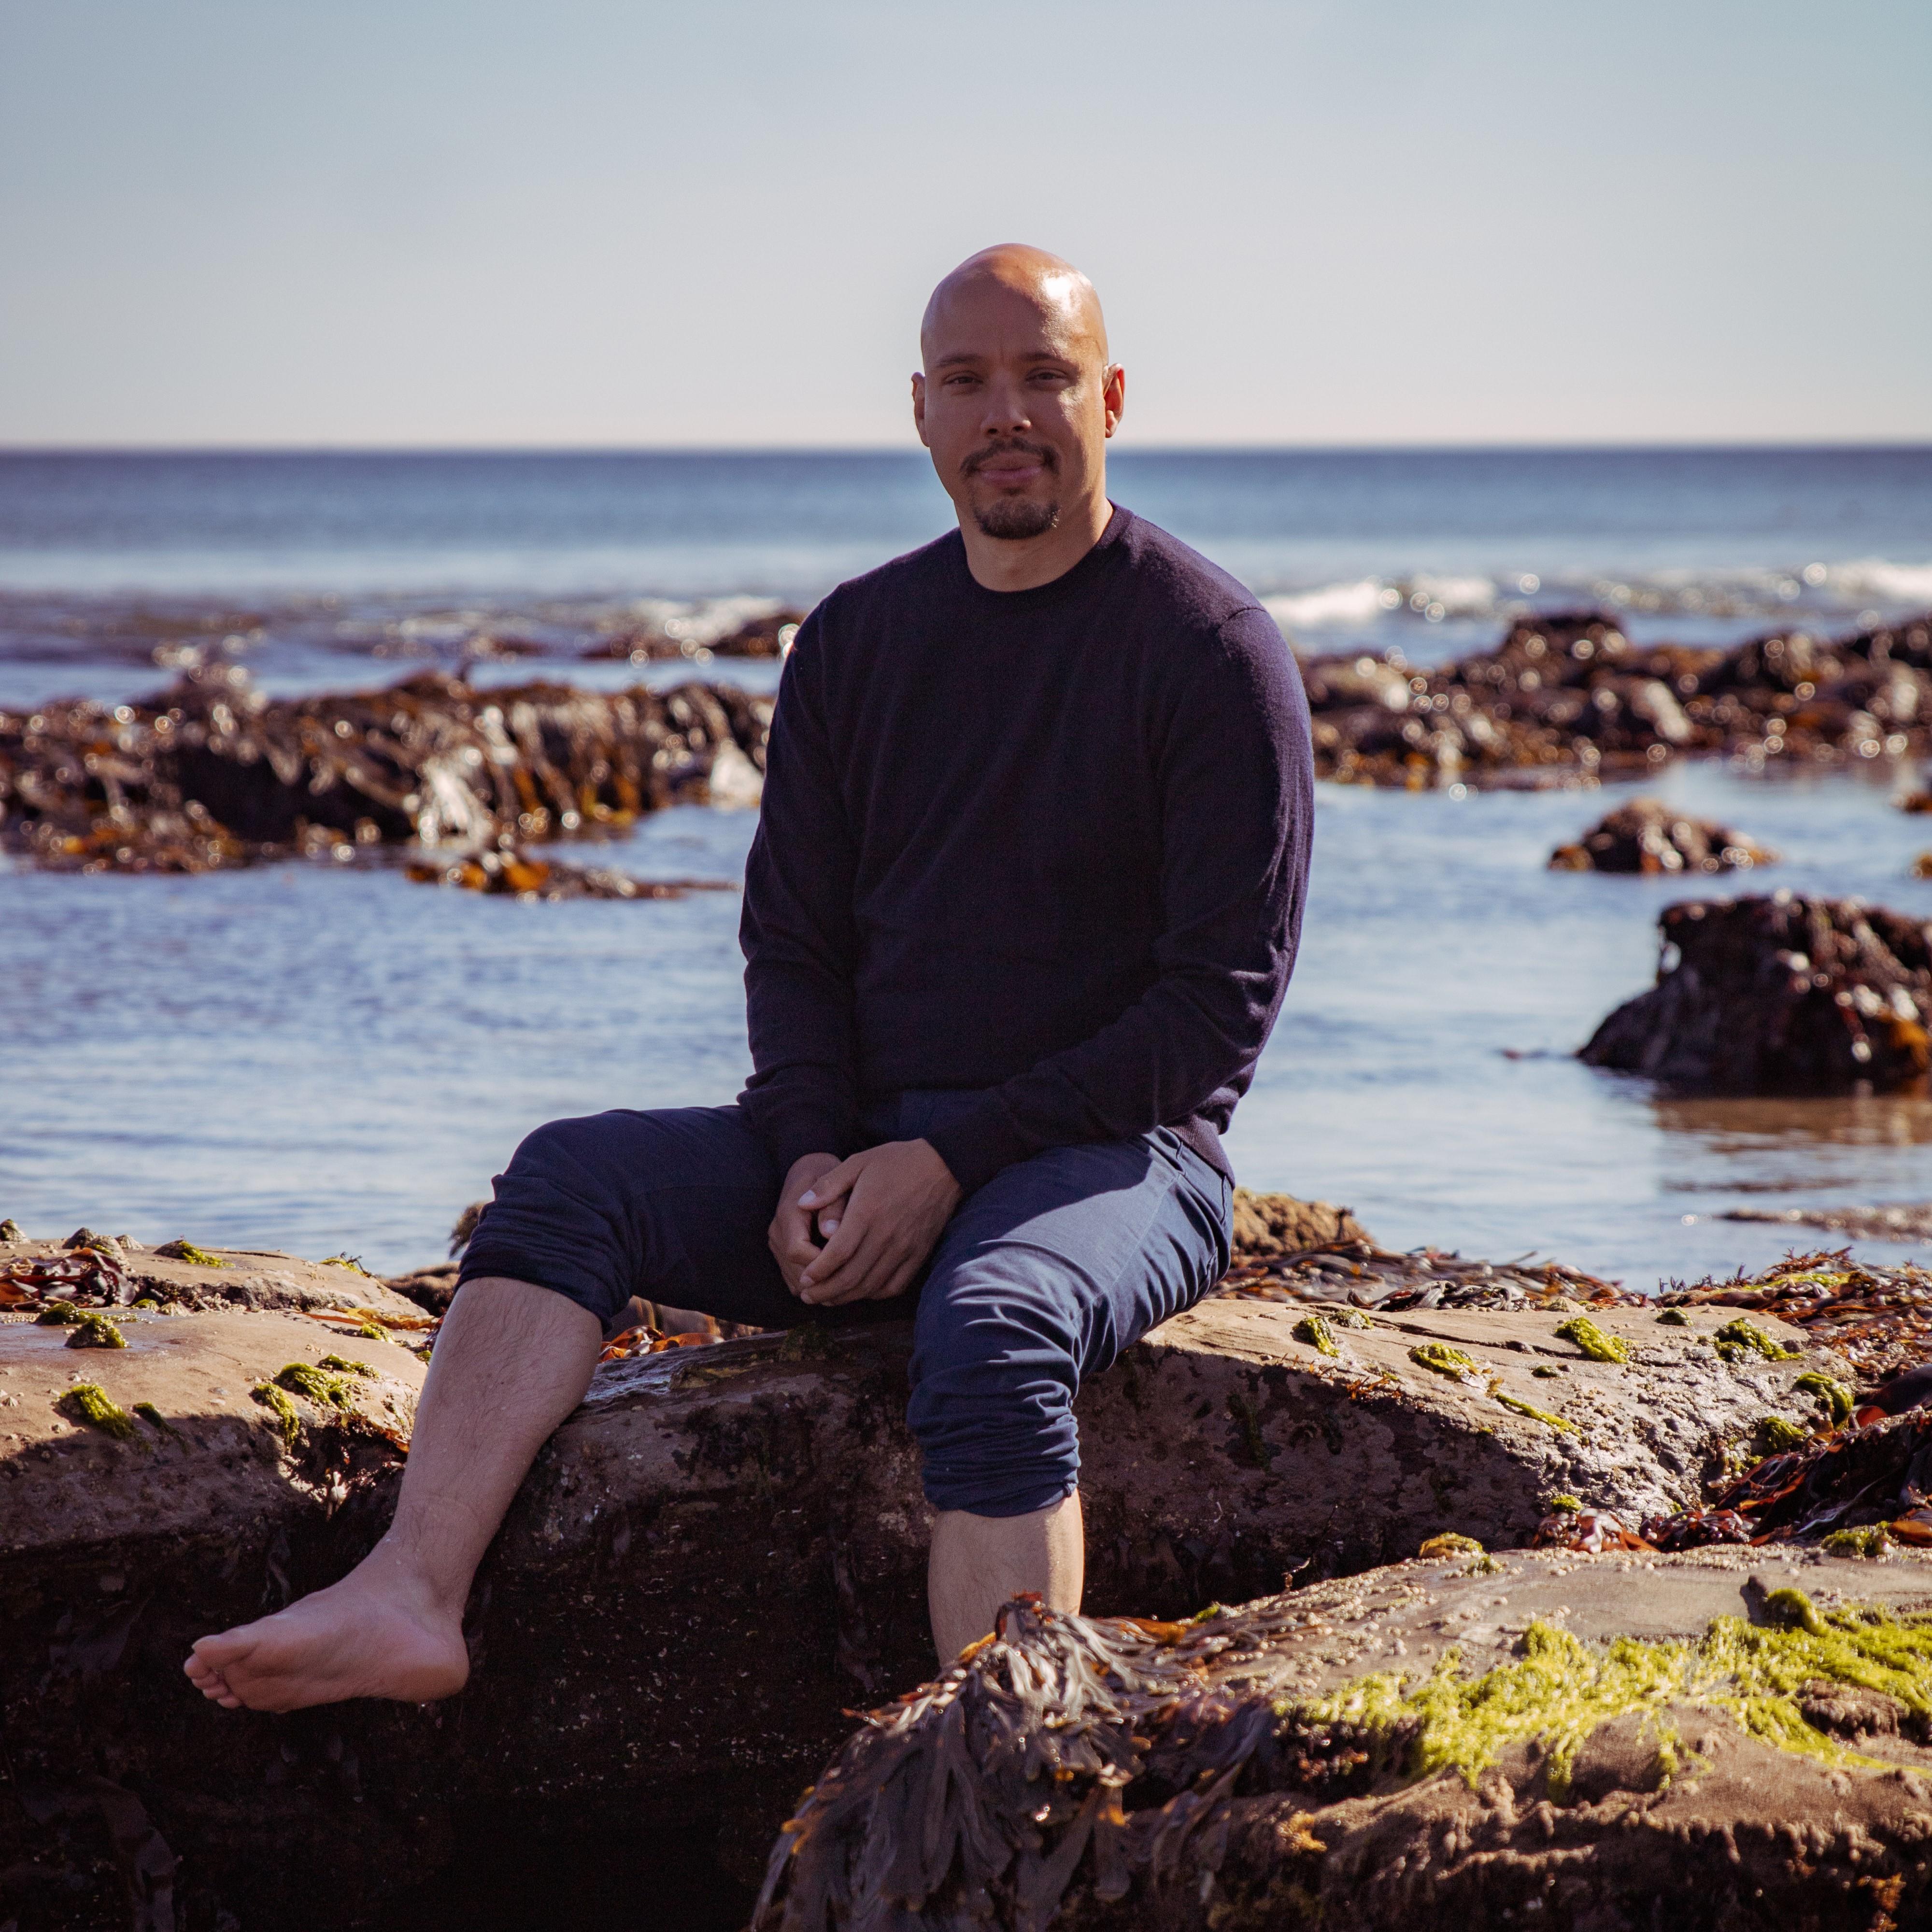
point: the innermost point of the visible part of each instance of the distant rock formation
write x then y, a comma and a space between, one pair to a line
1647, 835
1780, 994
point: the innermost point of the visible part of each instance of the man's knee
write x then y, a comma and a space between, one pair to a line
559, 1219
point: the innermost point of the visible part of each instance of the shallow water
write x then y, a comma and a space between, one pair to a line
329, 1059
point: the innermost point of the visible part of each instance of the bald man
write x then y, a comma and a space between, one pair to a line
1021, 910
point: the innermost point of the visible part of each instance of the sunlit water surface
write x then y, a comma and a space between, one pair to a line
332, 1059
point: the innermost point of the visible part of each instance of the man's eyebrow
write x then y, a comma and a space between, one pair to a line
966, 359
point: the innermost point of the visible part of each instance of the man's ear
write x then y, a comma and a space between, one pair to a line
1113, 395
918, 404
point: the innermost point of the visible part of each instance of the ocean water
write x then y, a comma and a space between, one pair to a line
331, 1059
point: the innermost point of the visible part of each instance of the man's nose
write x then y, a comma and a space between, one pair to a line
1006, 410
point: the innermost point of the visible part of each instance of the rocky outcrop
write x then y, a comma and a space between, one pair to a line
1711, 1741
1567, 696
710, 1561
213, 773
1780, 994
1647, 835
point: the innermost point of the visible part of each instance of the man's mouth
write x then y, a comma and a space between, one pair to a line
1009, 465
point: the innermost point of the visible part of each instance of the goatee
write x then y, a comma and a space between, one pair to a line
1016, 519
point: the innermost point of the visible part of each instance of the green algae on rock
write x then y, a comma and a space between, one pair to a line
89, 1402
1836, 1397
288, 1422
1742, 1336
1314, 1331
187, 1251
1530, 1409
92, 1329
1593, 1341
306, 1379
1439, 1356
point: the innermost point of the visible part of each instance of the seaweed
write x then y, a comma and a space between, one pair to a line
1443, 1359
1530, 1409
288, 1422
149, 1413
1450, 1542
93, 1329
187, 1251
1674, 1318
306, 1379
1779, 1435
1247, 1419
1594, 1343
89, 1402
1315, 1331
1062, 1751
1836, 1397
1742, 1336
57, 1315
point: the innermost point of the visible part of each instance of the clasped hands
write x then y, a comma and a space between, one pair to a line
878, 1215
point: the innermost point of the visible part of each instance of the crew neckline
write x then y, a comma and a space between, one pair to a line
1055, 588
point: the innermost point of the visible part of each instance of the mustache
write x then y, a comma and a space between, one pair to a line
1011, 445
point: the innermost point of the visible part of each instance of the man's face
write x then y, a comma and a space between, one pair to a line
1015, 403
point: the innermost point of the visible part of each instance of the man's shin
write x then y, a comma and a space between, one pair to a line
979, 1562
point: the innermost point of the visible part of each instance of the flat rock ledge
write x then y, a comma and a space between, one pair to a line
1709, 1741
719, 1554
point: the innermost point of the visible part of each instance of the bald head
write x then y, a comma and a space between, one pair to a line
1016, 402
1062, 295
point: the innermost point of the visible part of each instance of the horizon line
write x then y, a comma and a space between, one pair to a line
1630, 446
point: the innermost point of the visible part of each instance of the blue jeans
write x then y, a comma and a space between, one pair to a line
1041, 1278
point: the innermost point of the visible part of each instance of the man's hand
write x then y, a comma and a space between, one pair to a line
881, 1212
793, 1244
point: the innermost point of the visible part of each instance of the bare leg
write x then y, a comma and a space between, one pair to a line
511, 1362
979, 1562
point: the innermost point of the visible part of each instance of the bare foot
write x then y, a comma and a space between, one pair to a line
358, 1638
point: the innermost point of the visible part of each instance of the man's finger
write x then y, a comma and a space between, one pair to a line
832, 1186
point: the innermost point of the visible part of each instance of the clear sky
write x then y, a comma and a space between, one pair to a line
627, 222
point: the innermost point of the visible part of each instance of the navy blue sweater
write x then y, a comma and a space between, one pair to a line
1052, 844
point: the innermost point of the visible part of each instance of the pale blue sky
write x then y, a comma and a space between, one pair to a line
467, 222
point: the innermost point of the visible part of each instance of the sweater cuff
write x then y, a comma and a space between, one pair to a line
978, 1144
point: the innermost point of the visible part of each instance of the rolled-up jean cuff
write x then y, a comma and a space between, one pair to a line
972, 1491
505, 1262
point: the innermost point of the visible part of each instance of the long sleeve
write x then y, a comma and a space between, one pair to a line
1235, 779
797, 933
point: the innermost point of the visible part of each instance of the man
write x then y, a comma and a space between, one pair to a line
1022, 905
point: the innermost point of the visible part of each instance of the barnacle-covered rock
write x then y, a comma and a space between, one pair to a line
1780, 994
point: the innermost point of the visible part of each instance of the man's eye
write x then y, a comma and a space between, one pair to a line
960, 381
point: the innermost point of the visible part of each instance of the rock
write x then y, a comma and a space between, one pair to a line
1714, 1740
1269, 1226
1567, 697
1646, 835
517, 873
1779, 995
721, 1551
212, 773
1895, 1221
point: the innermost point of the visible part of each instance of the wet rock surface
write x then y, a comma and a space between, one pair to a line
1566, 698
1713, 1741
1780, 994
211, 773
1648, 836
